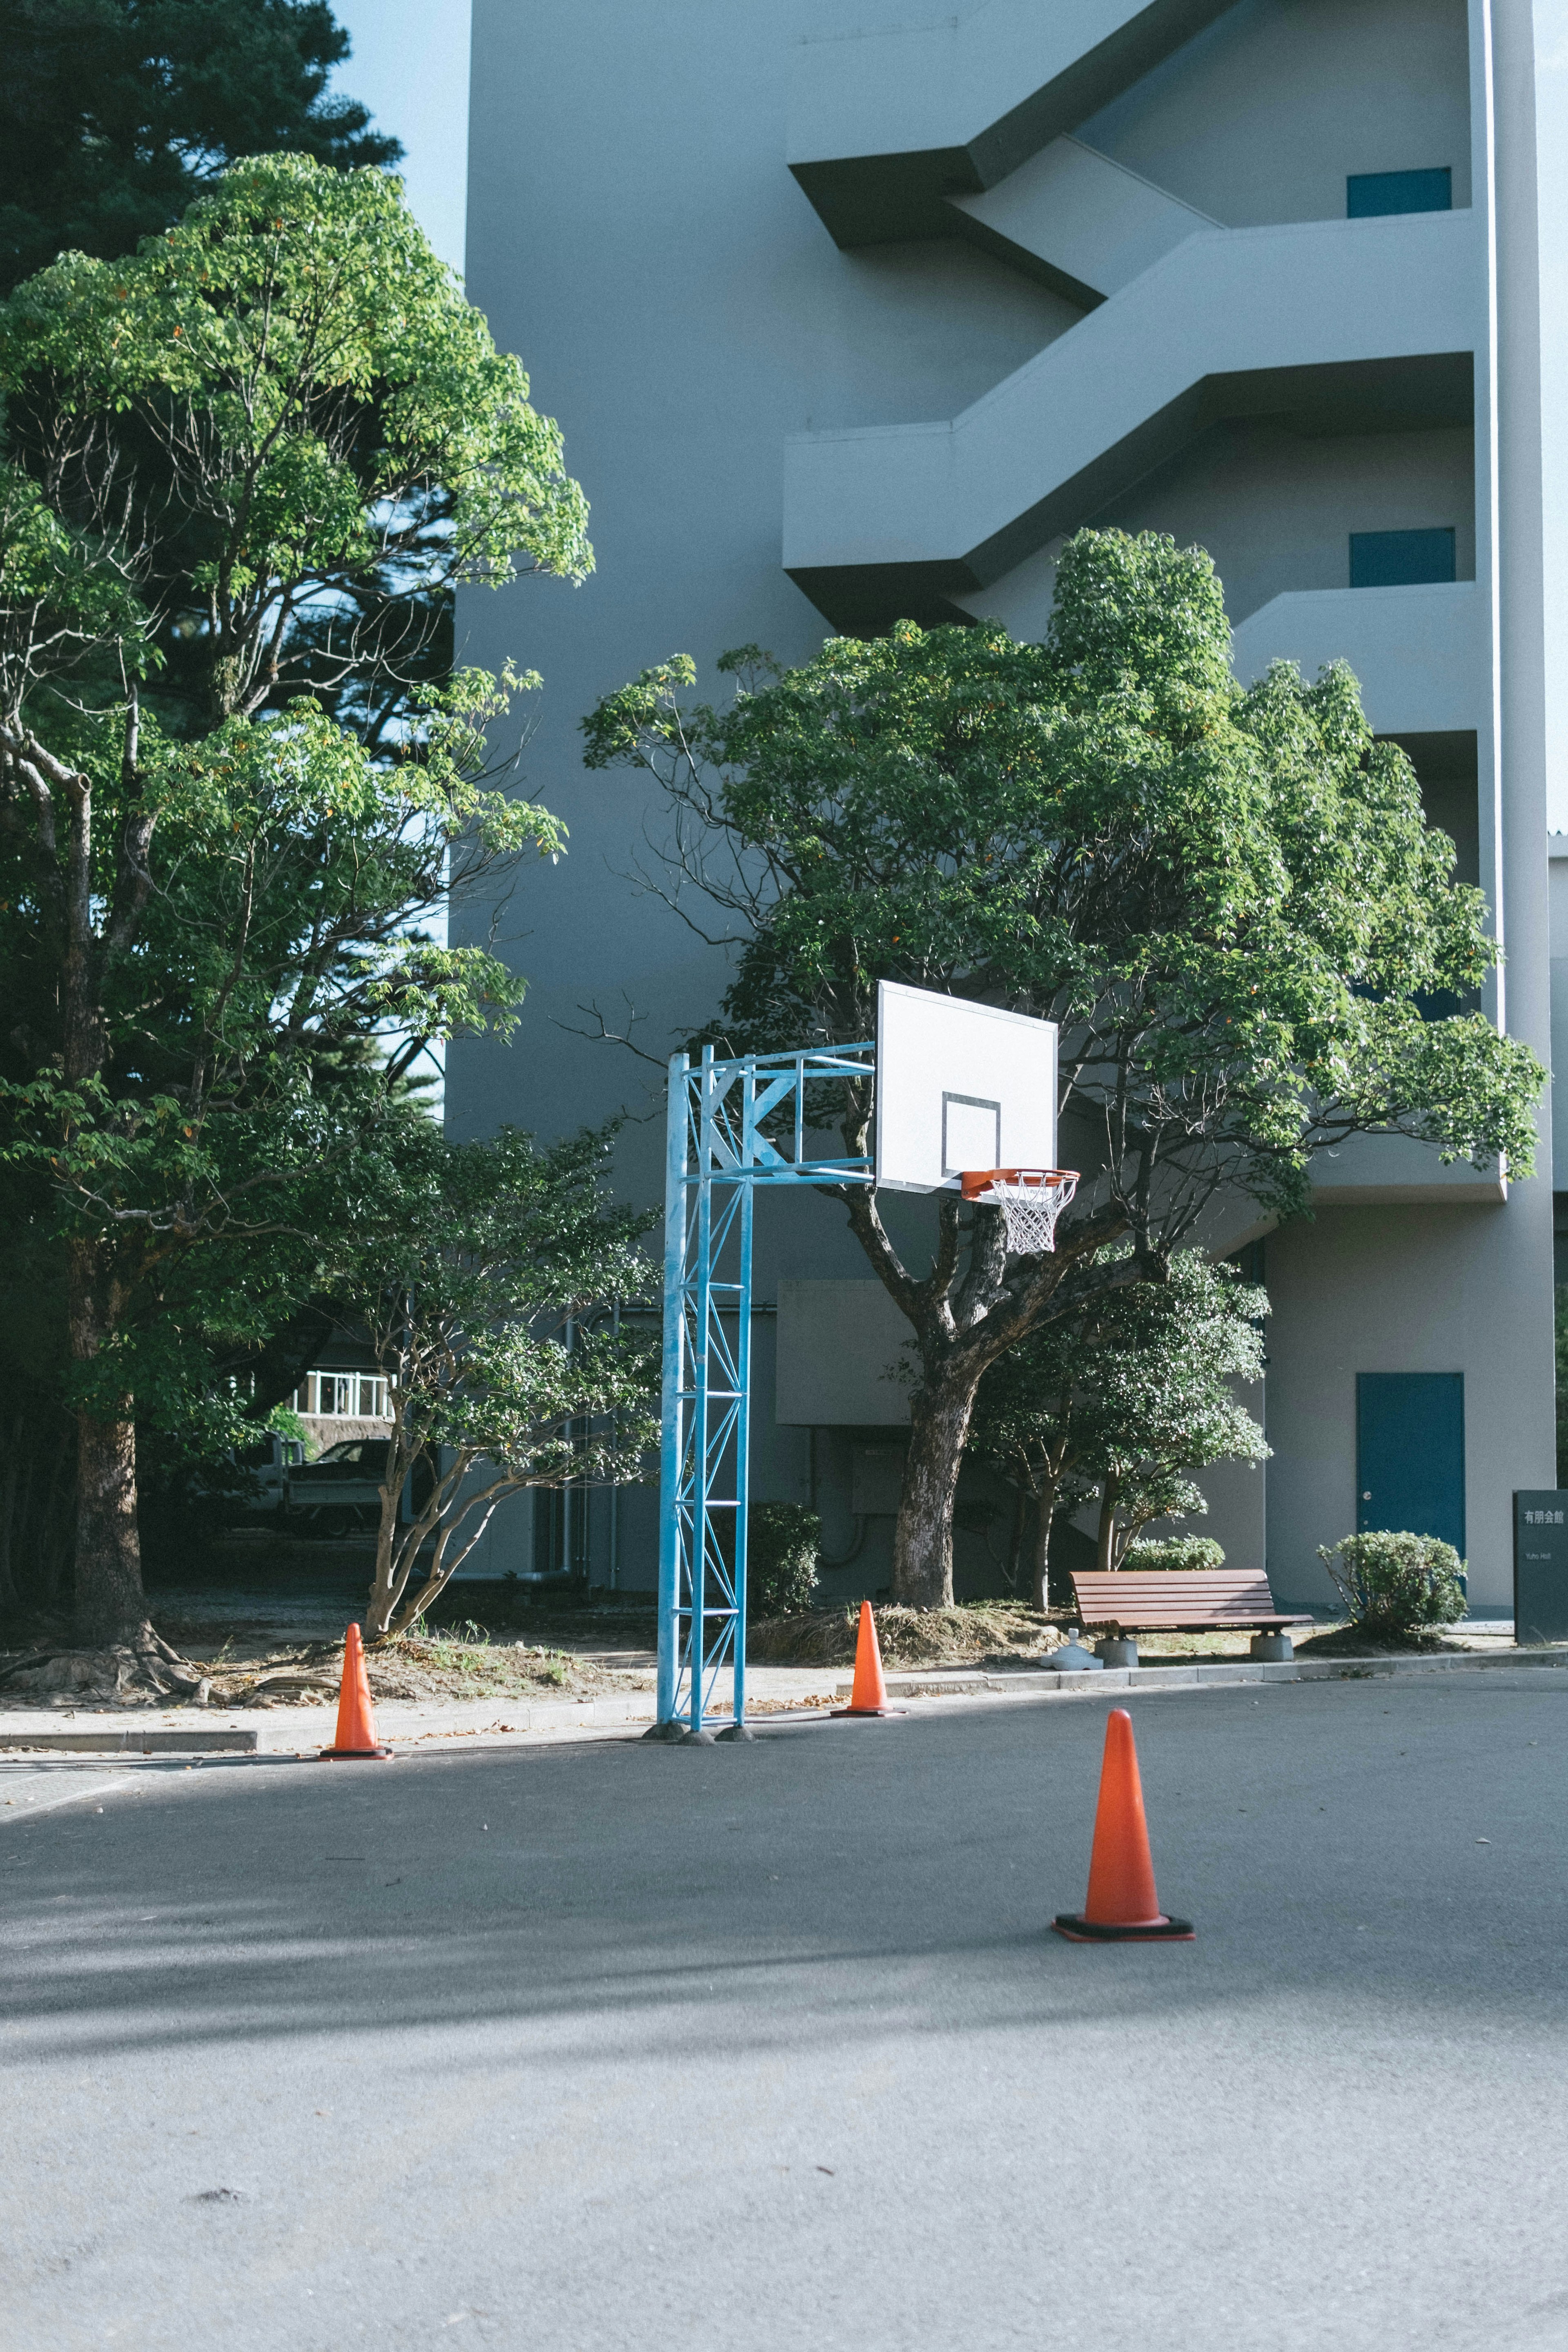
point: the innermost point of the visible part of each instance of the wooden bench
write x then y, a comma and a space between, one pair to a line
1132, 1600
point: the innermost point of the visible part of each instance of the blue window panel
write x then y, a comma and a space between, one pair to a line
1410, 1453
1400, 559
1368, 193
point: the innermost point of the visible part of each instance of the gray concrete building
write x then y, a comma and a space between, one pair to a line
850, 311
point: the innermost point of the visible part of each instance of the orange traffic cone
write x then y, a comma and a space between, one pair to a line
356, 1723
870, 1693
1121, 1907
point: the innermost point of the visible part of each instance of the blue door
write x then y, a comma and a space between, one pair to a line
1410, 1453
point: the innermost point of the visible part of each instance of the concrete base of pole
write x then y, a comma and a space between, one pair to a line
1072, 1658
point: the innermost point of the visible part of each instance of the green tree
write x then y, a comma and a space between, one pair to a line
185, 1106
483, 1273
1230, 900
1161, 1403
114, 114
1126, 1399
236, 452
264, 408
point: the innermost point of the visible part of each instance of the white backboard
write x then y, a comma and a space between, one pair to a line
960, 1086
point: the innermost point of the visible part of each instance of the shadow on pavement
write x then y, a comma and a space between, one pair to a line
1344, 1848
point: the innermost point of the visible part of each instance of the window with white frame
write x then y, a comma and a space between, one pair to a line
342, 1396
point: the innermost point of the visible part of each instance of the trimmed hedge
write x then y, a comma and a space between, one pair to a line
1175, 1551
1396, 1582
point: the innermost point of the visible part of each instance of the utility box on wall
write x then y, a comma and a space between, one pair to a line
1541, 1565
837, 1344
876, 1481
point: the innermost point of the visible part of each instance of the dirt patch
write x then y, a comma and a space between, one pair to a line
1215, 1649
238, 1671
1355, 1642
979, 1631
556, 1622
418, 1668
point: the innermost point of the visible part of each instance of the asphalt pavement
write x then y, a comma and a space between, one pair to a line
608, 2044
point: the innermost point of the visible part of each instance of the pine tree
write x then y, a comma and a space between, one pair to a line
114, 114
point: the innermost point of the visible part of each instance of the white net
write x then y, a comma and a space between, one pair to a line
1031, 1200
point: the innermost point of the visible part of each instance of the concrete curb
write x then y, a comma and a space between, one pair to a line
1042, 1682
405, 1725
134, 1743
289, 1739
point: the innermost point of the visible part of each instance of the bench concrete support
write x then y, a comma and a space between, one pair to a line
1117, 1650
1276, 1648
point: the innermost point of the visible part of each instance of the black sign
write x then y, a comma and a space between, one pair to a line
1540, 1566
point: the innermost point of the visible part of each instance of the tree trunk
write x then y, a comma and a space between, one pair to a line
9, 1481
1105, 1549
1044, 1512
111, 1606
922, 1541
393, 1570
1018, 1536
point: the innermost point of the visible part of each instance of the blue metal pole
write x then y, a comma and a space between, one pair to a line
743, 1437
701, 1353
673, 1416
705, 1426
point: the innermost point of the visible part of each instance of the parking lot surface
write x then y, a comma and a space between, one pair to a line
609, 2044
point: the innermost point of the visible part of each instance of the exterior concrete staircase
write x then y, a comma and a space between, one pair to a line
1335, 325
887, 122
1421, 655
1085, 225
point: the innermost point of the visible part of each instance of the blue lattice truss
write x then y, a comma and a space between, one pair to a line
716, 1154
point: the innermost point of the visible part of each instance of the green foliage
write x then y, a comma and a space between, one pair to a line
484, 1273
115, 113
1230, 899
1129, 1397
59, 600
1396, 1583
784, 1541
279, 421
289, 870
1176, 1552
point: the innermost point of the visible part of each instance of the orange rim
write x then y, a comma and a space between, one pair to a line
977, 1181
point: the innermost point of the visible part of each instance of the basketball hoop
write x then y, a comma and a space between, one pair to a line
1030, 1200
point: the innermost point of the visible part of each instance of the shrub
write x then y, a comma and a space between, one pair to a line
1175, 1551
782, 1544
1395, 1583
